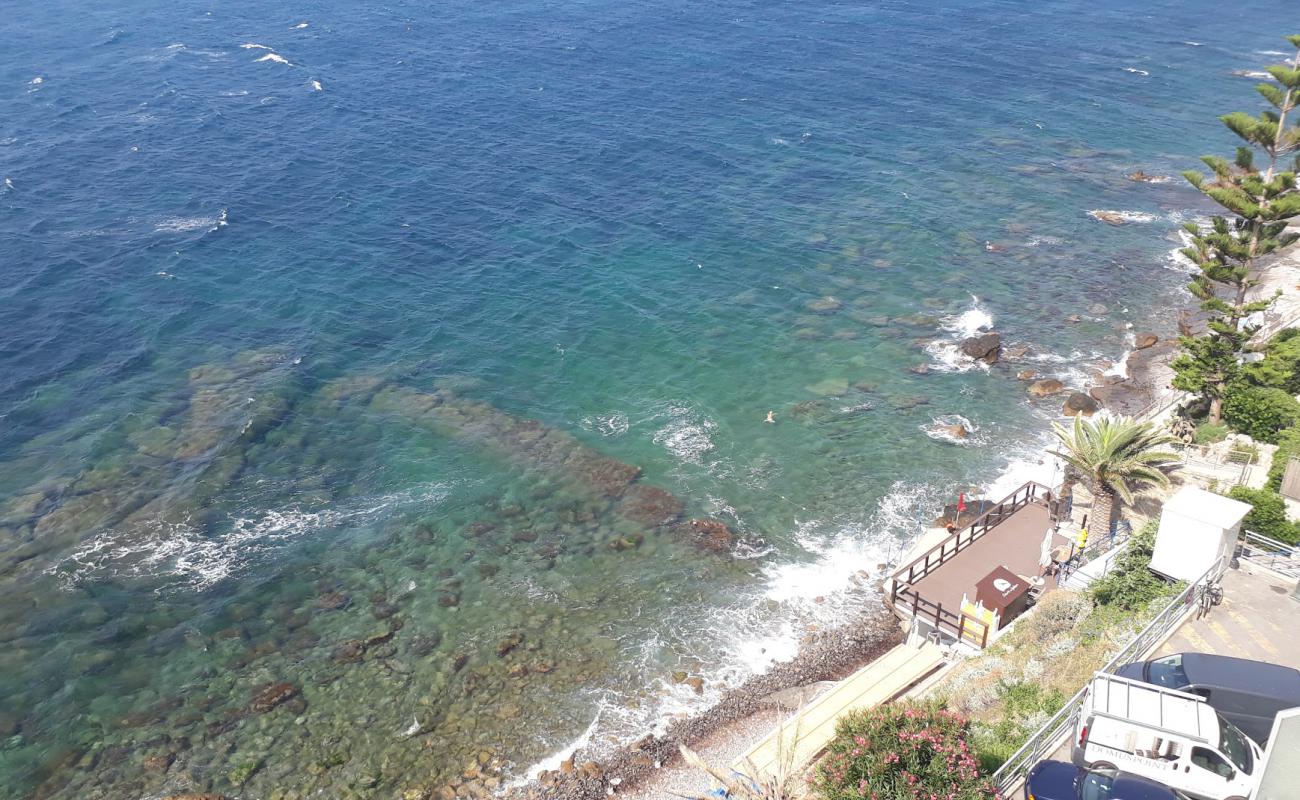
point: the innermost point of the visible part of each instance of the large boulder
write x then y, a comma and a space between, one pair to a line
1144, 340
1080, 403
986, 347
1046, 387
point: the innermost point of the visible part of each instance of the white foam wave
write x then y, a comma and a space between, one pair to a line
615, 424
254, 46
1252, 73
1193, 44
1126, 216
315, 86
971, 321
1033, 463
300, 25
1271, 53
9, 184
189, 558
276, 57
37, 81
946, 355
940, 429
553, 761
1136, 71
687, 435
234, 93
187, 224
1051, 241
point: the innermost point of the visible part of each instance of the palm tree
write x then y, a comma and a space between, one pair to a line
1116, 457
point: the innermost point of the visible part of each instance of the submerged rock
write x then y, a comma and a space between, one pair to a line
1080, 403
711, 535
831, 387
824, 305
1046, 387
272, 695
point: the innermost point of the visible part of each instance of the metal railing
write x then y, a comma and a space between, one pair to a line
1269, 553
1047, 738
1120, 532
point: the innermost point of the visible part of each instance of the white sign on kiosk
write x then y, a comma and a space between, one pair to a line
1197, 529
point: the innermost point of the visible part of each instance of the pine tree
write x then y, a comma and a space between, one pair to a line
1228, 253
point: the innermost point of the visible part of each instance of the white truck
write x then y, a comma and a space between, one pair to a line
1168, 736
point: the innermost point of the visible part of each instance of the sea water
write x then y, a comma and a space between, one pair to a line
295, 300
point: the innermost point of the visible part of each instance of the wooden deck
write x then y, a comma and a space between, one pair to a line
932, 587
1016, 543
801, 738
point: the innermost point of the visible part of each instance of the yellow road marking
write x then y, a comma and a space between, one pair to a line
1197, 642
1259, 639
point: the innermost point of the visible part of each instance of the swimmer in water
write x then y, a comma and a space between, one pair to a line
770, 418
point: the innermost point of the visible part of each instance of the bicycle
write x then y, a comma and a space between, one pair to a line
1211, 596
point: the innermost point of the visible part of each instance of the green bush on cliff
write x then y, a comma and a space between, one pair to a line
1268, 514
1280, 368
1261, 412
1131, 585
901, 750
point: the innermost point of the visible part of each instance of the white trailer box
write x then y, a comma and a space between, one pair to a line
1197, 529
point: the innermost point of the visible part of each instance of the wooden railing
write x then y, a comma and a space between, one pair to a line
925, 564
960, 625
963, 626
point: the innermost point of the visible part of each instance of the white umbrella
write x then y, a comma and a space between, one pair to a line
1045, 554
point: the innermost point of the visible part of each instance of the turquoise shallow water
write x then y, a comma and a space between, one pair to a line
237, 284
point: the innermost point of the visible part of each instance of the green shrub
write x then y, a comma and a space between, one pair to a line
1268, 515
901, 751
1288, 445
1211, 432
1130, 584
1258, 411
1025, 707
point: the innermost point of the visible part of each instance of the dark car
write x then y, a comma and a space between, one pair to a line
1246, 693
1059, 780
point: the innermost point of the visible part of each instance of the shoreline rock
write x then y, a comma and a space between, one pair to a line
830, 655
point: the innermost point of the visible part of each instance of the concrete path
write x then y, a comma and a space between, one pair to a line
800, 739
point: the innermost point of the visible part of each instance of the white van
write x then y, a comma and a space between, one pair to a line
1168, 736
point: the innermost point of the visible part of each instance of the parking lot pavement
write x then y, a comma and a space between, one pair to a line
1257, 620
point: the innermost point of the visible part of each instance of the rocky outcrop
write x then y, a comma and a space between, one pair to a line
1079, 403
956, 430
1142, 341
1046, 387
1108, 217
1026, 375
1141, 177
711, 535
986, 347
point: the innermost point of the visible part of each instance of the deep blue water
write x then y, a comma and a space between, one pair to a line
241, 243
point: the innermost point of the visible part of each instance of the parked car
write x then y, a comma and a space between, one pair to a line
1246, 693
1058, 780
1168, 736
